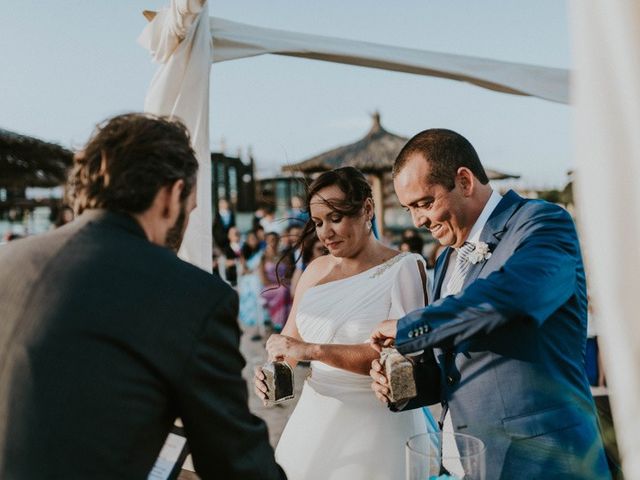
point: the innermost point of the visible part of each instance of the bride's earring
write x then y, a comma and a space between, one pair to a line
369, 225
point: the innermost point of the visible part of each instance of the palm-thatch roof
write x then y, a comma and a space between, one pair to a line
29, 162
375, 153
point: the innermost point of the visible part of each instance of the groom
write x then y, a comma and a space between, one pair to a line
508, 324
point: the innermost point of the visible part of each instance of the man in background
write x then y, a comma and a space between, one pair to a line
224, 220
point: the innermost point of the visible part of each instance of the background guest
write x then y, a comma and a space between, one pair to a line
223, 220
275, 273
311, 250
258, 215
296, 215
249, 286
260, 234
413, 244
231, 254
272, 224
65, 215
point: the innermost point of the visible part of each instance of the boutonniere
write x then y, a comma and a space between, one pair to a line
480, 253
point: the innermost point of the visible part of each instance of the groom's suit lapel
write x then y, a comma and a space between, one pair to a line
493, 230
440, 270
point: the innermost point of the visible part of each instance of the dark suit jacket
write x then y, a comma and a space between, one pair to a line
105, 339
220, 230
511, 347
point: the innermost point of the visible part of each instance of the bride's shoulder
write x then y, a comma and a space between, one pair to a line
319, 267
405, 258
410, 257
317, 270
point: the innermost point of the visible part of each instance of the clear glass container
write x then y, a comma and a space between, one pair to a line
441, 455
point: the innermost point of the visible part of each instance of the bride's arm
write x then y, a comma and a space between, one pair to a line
277, 344
290, 346
353, 358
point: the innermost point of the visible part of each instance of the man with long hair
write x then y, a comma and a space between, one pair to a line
106, 336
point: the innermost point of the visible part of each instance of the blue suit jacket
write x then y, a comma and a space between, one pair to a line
511, 347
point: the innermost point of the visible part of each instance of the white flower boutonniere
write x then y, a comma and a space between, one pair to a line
480, 253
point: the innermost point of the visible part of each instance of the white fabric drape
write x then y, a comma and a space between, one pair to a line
179, 38
606, 95
234, 40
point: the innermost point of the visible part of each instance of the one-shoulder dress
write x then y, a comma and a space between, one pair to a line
339, 430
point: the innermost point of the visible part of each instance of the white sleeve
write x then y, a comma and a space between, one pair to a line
408, 290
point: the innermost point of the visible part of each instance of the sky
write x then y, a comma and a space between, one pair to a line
71, 63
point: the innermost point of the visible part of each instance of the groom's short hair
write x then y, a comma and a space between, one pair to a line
445, 151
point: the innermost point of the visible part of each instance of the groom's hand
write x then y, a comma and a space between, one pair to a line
379, 384
384, 334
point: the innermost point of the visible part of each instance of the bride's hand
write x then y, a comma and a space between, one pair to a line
280, 347
259, 386
379, 384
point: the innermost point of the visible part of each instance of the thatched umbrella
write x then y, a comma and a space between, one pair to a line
373, 155
29, 162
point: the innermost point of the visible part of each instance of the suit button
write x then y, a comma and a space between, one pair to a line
450, 380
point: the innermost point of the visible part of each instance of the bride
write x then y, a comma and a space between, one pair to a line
338, 429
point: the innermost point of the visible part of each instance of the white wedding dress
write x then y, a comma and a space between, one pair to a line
339, 430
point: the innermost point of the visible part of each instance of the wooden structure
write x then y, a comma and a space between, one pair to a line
29, 162
234, 180
276, 192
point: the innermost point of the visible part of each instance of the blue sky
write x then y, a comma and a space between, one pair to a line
69, 64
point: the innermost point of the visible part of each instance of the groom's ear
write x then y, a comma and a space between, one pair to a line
465, 180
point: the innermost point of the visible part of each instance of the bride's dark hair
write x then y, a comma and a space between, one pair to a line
356, 191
